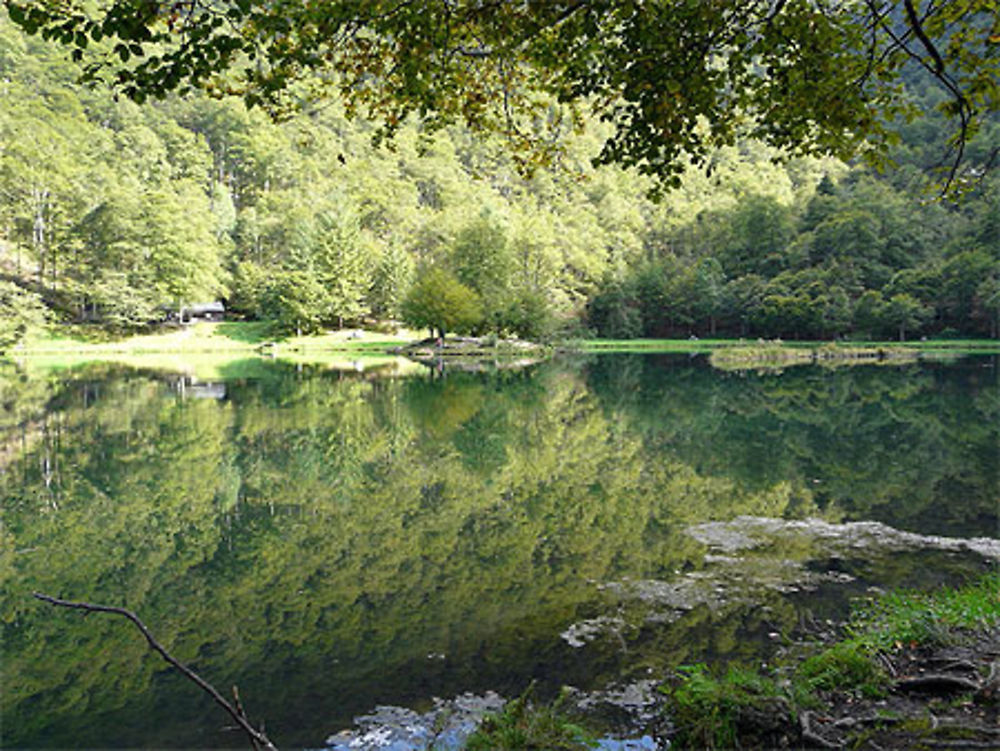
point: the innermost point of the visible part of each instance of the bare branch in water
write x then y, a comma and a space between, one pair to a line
257, 737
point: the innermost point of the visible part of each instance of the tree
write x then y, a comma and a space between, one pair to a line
296, 301
905, 312
755, 236
390, 279
437, 300
869, 313
710, 282
340, 260
675, 79
988, 296
20, 311
120, 304
481, 259
528, 315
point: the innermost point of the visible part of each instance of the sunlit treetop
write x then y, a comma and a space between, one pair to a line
674, 78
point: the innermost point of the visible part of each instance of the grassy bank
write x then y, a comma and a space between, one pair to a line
913, 670
211, 351
226, 337
252, 336
217, 350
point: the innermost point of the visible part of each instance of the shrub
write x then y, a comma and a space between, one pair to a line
714, 713
524, 726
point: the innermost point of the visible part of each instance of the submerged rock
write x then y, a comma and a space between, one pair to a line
750, 555
449, 724
753, 532
743, 558
444, 728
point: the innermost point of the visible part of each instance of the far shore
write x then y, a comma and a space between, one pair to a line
251, 339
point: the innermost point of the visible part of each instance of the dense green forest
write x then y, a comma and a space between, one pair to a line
112, 213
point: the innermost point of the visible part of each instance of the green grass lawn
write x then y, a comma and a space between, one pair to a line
220, 366
235, 336
211, 351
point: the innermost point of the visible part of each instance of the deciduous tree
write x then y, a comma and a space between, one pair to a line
438, 300
675, 79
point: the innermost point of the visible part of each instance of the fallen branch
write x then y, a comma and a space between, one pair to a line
257, 737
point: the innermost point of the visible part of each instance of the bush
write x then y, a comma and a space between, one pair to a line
741, 707
524, 726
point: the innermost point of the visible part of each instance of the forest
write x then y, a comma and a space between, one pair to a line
119, 214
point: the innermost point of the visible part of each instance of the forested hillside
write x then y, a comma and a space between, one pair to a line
114, 212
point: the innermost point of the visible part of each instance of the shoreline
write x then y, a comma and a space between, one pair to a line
252, 340
906, 670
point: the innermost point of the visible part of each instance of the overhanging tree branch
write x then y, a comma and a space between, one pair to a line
258, 739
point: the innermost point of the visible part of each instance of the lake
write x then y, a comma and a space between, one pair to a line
331, 541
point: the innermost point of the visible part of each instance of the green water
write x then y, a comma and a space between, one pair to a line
330, 542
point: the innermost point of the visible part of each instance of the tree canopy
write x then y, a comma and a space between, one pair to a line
676, 79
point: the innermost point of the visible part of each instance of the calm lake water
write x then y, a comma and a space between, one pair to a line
331, 542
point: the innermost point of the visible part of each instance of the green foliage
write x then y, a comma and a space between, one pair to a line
906, 313
613, 313
438, 300
854, 263
846, 666
528, 315
391, 279
296, 301
113, 210
481, 258
524, 725
709, 712
340, 263
675, 80
119, 304
937, 617
20, 312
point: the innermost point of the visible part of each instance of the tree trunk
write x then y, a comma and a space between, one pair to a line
40, 199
